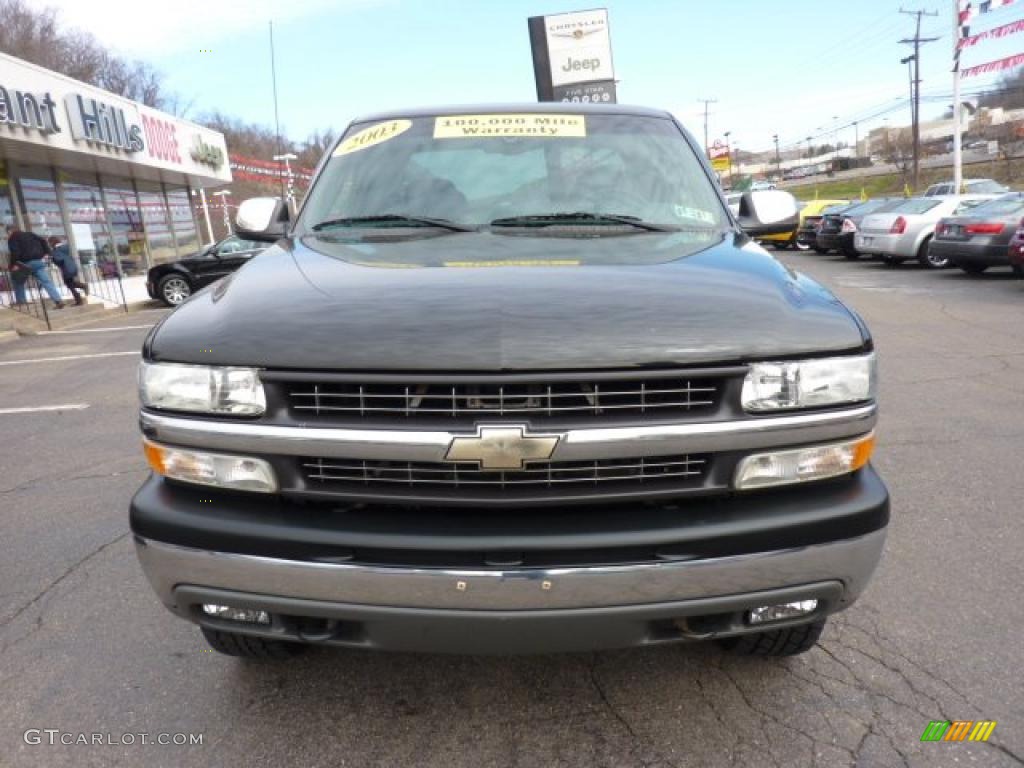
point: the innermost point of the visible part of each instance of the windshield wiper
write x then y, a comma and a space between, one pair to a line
580, 217
397, 219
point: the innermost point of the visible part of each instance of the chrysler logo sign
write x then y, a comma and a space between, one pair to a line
505, 447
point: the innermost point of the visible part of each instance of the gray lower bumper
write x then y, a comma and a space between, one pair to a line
507, 611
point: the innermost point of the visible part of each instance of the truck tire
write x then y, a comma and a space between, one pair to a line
246, 647
778, 642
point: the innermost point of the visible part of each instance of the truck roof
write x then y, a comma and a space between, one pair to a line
515, 108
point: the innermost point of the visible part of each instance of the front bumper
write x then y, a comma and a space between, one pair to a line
711, 561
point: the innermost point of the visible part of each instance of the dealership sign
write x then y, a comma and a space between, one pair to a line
572, 57
49, 110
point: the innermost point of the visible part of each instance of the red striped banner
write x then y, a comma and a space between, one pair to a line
1006, 29
994, 66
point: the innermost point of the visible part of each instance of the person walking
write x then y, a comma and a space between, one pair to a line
60, 254
27, 253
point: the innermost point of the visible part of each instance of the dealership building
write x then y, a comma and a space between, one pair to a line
110, 175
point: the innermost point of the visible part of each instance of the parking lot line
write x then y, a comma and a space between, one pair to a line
38, 408
66, 357
110, 329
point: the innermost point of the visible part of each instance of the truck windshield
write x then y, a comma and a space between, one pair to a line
521, 173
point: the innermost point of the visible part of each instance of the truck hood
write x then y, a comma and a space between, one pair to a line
489, 302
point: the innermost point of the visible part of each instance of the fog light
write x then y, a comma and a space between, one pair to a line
247, 615
816, 462
240, 473
767, 613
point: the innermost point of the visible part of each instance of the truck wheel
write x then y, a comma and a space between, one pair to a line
246, 647
779, 642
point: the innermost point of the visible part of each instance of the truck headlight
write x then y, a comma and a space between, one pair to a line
816, 462
201, 389
809, 383
237, 473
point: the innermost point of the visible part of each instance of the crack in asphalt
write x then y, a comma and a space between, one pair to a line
51, 586
639, 741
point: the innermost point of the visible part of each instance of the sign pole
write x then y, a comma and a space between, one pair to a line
958, 171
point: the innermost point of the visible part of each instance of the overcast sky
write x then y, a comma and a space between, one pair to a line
801, 71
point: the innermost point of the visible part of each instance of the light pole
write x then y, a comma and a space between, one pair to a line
206, 212
289, 194
808, 150
778, 160
856, 140
728, 155
223, 195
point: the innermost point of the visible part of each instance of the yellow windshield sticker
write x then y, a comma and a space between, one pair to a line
516, 263
375, 134
470, 126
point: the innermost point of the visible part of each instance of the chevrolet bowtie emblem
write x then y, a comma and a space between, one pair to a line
502, 447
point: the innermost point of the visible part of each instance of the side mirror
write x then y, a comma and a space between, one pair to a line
768, 212
262, 218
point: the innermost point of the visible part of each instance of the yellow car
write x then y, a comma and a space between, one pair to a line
802, 238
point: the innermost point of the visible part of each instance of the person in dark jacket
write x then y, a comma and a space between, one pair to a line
60, 254
27, 253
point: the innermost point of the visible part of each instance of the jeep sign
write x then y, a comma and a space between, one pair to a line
570, 50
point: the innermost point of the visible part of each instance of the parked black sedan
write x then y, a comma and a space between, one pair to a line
838, 228
979, 239
175, 281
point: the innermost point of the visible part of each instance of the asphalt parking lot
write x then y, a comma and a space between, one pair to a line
86, 648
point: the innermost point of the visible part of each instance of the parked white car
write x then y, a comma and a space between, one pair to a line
904, 232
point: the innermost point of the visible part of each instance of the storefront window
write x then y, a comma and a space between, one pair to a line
184, 223
6, 215
38, 197
158, 228
126, 222
88, 217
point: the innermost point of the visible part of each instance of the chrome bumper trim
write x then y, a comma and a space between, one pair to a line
850, 561
576, 444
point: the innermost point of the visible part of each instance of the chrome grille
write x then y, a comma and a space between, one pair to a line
537, 400
566, 474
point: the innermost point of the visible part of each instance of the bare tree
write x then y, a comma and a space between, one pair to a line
900, 152
37, 36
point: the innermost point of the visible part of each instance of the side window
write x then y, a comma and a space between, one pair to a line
231, 245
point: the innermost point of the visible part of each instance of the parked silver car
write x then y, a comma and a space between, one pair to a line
904, 232
969, 186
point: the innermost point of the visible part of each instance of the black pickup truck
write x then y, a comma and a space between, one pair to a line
513, 379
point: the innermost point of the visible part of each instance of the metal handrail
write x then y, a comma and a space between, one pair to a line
103, 281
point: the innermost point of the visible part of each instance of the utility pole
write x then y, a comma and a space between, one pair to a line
916, 40
856, 141
706, 102
778, 160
